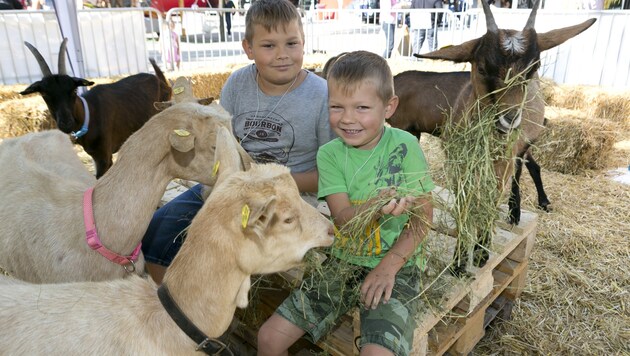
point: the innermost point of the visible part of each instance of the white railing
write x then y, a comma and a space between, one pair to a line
113, 41
119, 42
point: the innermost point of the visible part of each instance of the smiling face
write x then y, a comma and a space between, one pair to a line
357, 113
278, 54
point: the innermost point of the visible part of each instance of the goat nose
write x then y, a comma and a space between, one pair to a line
509, 120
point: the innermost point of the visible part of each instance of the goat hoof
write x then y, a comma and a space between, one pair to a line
481, 257
546, 207
514, 219
458, 270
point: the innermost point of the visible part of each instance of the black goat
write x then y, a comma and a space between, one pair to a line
104, 117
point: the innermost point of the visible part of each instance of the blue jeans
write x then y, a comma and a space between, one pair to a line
419, 35
388, 31
167, 229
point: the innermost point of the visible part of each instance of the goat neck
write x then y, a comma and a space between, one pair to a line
209, 308
129, 193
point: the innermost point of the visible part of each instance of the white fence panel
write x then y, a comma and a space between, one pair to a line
119, 41
114, 43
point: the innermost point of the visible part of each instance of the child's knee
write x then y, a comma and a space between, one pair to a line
266, 342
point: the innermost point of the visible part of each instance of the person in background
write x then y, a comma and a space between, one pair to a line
424, 25
11, 5
173, 56
228, 16
279, 115
388, 20
384, 262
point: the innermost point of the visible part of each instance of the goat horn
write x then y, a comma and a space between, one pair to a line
491, 25
532, 16
40, 60
62, 57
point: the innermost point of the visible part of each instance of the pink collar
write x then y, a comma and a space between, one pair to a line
95, 243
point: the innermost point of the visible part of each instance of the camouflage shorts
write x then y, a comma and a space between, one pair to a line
317, 305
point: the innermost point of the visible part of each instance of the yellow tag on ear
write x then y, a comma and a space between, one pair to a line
215, 169
178, 90
244, 215
182, 133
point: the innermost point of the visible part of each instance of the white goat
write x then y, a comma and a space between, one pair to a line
42, 184
253, 222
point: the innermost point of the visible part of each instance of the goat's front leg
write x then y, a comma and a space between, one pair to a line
534, 172
514, 203
460, 260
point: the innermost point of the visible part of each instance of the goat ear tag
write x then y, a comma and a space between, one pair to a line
182, 133
245, 215
215, 169
178, 90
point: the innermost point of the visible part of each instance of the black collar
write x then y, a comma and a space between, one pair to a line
204, 343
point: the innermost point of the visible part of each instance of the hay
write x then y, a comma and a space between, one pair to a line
208, 84
613, 105
21, 116
573, 143
576, 299
10, 92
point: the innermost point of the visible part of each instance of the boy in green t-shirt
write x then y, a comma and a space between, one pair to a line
367, 163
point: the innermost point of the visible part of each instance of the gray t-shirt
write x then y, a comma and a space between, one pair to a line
287, 129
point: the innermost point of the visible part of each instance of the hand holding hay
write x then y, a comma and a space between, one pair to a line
379, 282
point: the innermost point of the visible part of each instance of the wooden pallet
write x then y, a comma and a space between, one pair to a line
455, 326
459, 323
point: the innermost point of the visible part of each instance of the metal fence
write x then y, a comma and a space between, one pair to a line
120, 41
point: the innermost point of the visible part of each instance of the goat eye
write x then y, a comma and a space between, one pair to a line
289, 220
481, 71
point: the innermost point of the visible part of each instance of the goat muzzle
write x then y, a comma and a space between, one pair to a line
509, 120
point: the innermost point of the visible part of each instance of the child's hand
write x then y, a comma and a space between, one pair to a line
397, 207
378, 285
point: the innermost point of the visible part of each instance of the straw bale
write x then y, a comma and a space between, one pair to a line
208, 84
574, 142
24, 115
10, 92
610, 104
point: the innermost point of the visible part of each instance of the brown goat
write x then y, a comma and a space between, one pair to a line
497, 58
426, 100
114, 111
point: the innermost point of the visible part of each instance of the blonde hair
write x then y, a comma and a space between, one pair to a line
270, 14
350, 69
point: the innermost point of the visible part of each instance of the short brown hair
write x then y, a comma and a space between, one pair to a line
352, 68
270, 14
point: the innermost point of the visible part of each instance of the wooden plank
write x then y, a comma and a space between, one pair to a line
500, 307
524, 249
518, 284
472, 333
340, 342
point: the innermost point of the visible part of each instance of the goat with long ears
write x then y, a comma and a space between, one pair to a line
504, 74
104, 117
45, 236
254, 222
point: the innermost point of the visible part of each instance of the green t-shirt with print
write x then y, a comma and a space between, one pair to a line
396, 161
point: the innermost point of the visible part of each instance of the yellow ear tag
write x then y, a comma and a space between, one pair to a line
178, 90
244, 215
215, 169
182, 133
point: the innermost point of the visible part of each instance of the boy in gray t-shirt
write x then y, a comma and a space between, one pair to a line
280, 114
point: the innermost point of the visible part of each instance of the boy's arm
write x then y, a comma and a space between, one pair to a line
306, 181
379, 283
